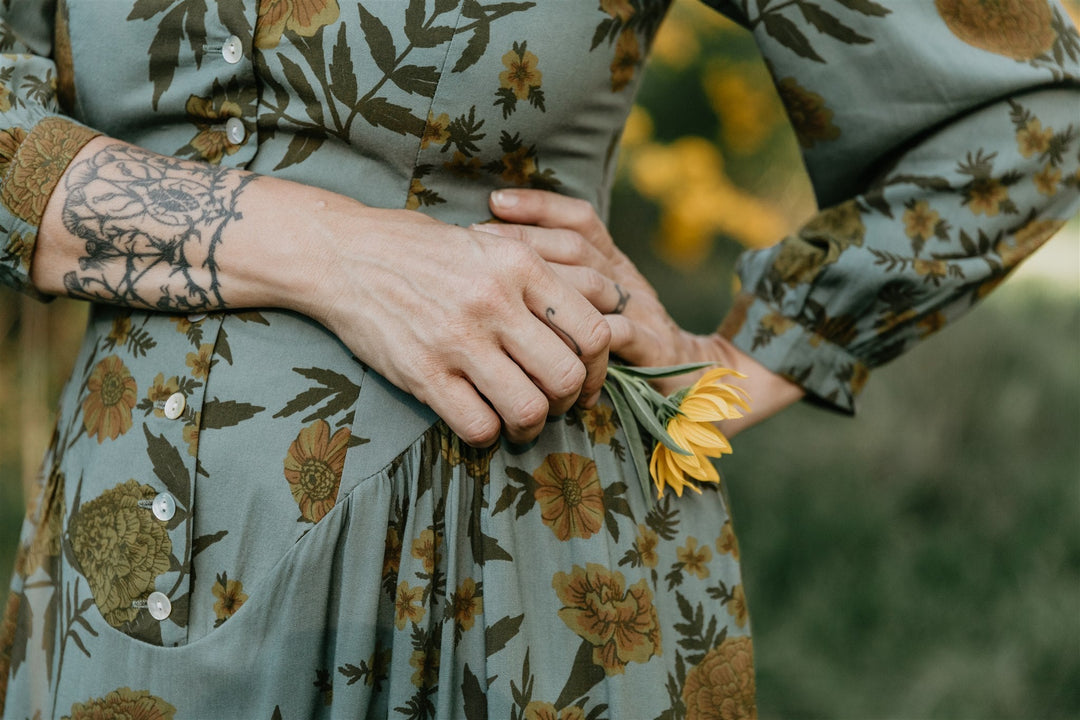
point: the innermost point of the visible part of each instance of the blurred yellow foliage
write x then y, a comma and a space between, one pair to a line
741, 95
698, 201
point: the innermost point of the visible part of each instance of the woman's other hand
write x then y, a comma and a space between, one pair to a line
568, 234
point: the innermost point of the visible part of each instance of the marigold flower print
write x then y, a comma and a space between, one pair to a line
229, 595
570, 496
920, 221
721, 686
1031, 139
111, 396
600, 423
303, 17
620, 623
1019, 29
313, 468
123, 703
120, 548
985, 196
42, 157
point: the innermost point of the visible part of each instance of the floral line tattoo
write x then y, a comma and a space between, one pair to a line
550, 313
152, 225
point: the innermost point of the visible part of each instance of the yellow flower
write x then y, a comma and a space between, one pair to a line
466, 604
600, 423
230, 596
160, 391
625, 62
721, 686
736, 606
436, 130
1026, 240
43, 155
21, 245
212, 142
426, 663
538, 710
407, 605
1019, 29
1046, 180
619, 622
303, 17
646, 542
200, 363
121, 327
477, 461
416, 188
706, 402
695, 559
426, 549
467, 168
518, 166
931, 268
313, 467
521, 74
1032, 139
123, 703
190, 435
727, 543
920, 221
111, 395
570, 496
985, 196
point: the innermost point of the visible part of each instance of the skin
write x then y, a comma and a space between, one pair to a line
569, 235
483, 331
493, 336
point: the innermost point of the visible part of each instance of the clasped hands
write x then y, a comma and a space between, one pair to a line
500, 325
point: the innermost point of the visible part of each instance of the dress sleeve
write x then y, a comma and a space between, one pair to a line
942, 141
37, 142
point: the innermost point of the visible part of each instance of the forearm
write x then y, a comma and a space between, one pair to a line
130, 227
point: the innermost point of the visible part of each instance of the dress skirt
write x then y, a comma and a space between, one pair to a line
307, 541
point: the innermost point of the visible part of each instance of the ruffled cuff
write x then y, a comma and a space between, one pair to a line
31, 165
828, 373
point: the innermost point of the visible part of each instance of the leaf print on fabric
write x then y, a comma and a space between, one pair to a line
120, 549
302, 17
521, 80
619, 623
229, 596
809, 116
313, 467
788, 33
1019, 29
111, 396
123, 703
570, 496
721, 686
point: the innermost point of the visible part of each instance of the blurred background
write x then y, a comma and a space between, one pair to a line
919, 561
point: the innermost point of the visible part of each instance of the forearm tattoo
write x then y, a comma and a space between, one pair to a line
152, 225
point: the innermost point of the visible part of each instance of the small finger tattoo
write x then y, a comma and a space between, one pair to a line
624, 297
549, 314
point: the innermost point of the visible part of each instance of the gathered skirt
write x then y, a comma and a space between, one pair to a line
303, 540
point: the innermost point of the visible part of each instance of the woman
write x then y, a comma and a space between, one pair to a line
250, 507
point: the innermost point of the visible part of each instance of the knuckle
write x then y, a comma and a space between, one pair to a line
596, 335
528, 412
567, 381
479, 431
593, 283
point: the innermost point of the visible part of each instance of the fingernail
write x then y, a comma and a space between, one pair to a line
504, 198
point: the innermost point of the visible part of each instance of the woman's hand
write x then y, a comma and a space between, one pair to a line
480, 329
571, 237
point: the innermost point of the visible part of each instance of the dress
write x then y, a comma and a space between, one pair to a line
237, 519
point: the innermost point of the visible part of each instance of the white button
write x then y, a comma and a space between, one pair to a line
234, 130
164, 507
159, 606
196, 317
174, 406
232, 50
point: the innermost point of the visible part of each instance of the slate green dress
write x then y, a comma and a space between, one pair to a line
237, 520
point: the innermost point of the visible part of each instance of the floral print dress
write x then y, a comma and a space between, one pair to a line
238, 519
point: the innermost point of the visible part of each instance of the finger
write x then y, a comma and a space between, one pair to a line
553, 244
630, 340
577, 322
606, 295
514, 396
553, 367
551, 210
457, 402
